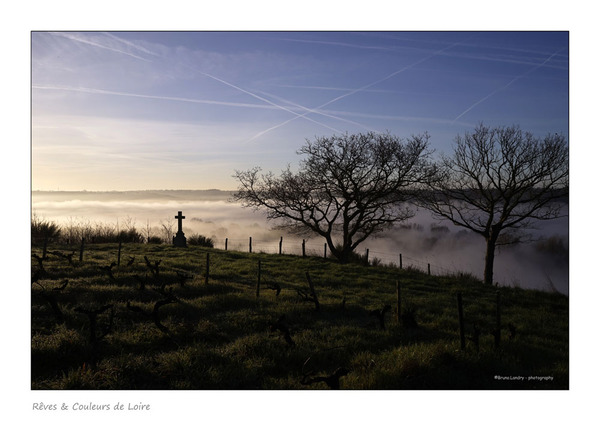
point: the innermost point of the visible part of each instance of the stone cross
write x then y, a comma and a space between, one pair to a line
180, 219
179, 239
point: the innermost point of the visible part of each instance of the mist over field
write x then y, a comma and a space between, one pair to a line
542, 263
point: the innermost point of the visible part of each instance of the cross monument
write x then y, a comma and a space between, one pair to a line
179, 238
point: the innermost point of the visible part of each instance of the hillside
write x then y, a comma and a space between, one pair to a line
157, 321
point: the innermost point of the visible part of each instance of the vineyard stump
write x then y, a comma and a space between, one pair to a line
81, 249
398, 306
207, 268
461, 323
312, 292
258, 281
498, 325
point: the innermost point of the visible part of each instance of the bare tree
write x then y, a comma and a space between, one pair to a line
498, 181
167, 228
348, 187
147, 231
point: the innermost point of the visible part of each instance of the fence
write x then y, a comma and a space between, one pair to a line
299, 247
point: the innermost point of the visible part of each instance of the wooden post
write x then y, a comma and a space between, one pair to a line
258, 281
280, 244
498, 328
119, 255
400, 260
207, 268
461, 323
312, 291
398, 307
226, 243
428, 269
367, 258
303, 248
250, 245
81, 249
325, 251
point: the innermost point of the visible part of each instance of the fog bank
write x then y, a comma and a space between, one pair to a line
538, 264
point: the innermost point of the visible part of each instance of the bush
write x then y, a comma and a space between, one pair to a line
43, 232
201, 240
154, 240
130, 236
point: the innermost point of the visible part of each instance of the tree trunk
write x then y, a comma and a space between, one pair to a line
490, 252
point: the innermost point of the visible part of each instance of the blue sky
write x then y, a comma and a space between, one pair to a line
183, 110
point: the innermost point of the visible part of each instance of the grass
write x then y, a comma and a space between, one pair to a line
219, 335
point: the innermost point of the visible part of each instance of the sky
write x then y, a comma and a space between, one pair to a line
183, 110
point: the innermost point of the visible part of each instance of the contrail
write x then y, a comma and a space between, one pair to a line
95, 44
362, 88
329, 115
338, 44
182, 99
166, 98
131, 44
506, 86
298, 115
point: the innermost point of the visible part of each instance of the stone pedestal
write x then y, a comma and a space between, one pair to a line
179, 239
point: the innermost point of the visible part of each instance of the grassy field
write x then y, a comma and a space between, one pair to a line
134, 327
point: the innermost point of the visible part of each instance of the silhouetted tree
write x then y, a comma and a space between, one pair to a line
347, 188
499, 181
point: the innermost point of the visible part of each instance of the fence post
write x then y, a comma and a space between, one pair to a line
367, 258
226, 239
119, 255
250, 245
312, 292
325, 251
398, 307
258, 281
280, 244
461, 323
207, 268
428, 269
498, 328
303, 248
400, 260
81, 249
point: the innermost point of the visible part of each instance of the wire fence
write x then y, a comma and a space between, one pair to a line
299, 247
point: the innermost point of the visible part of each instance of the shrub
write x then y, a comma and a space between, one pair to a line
43, 232
154, 239
130, 235
201, 240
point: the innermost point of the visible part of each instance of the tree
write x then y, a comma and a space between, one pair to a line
499, 181
347, 188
